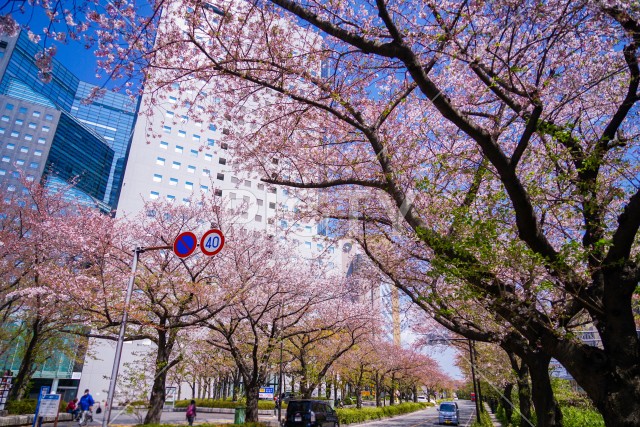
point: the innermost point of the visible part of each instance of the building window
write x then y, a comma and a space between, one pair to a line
206, 172
30, 178
11, 146
211, 142
20, 162
220, 176
213, 127
260, 186
307, 245
173, 181
272, 205
24, 149
9, 106
166, 129
5, 118
260, 202
217, 192
46, 128
154, 195
169, 114
42, 141
2, 131
28, 137
36, 114
222, 161
204, 188
272, 190
3, 171
184, 119
151, 213
164, 145
191, 169
247, 183
188, 185
208, 157
11, 187
176, 165
171, 198
173, 99
258, 218
179, 149
224, 146
157, 177
22, 110
194, 153
37, 153
234, 180
6, 159
19, 122
32, 125
182, 134
196, 138
160, 161
15, 134
48, 117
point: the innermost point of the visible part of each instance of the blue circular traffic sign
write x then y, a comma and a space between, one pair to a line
185, 244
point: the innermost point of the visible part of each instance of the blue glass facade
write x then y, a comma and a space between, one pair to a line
62, 88
79, 154
111, 116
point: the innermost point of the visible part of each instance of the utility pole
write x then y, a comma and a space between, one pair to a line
123, 326
476, 389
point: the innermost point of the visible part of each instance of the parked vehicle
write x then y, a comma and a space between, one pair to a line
448, 413
423, 398
310, 413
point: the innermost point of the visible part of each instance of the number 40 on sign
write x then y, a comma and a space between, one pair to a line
210, 244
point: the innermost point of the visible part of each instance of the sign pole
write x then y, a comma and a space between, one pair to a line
123, 326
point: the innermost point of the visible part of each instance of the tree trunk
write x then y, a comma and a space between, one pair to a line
156, 401
251, 393
358, 396
392, 391
548, 412
378, 389
505, 400
236, 386
524, 396
21, 380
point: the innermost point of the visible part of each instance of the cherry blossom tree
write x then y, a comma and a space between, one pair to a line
277, 296
41, 239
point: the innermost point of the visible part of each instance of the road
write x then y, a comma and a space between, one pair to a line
427, 418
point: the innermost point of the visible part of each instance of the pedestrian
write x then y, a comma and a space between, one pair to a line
191, 412
86, 405
72, 408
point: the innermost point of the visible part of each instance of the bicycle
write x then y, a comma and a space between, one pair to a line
85, 418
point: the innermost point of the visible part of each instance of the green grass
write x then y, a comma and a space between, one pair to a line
578, 417
353, 415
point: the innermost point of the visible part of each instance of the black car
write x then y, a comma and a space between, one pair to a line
310, 413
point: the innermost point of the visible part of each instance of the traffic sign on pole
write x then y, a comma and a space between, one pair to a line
212, 242
185, 244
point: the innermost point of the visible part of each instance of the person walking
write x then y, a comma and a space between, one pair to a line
86, 405
191, 412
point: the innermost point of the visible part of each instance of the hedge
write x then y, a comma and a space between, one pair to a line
27, 406
578, 417
352, 415
211, 403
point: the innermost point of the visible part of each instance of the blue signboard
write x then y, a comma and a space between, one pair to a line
44, 390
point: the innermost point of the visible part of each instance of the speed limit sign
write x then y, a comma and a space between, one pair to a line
212, 242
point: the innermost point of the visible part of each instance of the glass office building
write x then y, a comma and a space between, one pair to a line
91, 139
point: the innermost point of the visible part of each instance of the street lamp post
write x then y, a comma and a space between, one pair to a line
123, 326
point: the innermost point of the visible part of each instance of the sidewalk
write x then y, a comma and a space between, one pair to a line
494, 420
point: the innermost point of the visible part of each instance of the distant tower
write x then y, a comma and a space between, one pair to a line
395, 314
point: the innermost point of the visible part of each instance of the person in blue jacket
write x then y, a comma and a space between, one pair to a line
86, 405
